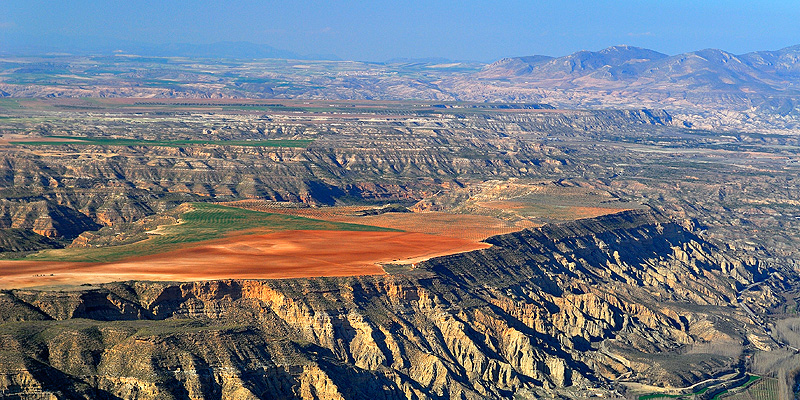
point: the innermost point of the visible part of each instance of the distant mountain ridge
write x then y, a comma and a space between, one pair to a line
638, 68
79, 45
237, 50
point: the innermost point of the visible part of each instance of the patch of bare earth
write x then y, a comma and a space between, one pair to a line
566, 212
462, 226
286, 254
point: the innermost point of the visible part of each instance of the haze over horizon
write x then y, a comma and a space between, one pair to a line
352, 30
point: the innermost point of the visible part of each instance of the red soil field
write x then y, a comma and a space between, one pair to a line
291, 254
285, 254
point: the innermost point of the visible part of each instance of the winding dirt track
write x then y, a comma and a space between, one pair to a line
285, 254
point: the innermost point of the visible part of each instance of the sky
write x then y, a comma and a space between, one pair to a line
380, 30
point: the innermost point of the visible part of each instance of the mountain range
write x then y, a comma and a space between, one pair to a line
753, 91
628, 67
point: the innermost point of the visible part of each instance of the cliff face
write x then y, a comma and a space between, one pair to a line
631, 295
44, 218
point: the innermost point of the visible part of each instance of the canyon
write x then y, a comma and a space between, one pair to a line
619, 224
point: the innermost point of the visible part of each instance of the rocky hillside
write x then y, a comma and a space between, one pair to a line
62, 191
588, 304
625, 58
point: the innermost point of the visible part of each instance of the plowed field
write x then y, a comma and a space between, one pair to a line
285, 254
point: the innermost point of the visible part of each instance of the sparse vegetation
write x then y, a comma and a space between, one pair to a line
652, 396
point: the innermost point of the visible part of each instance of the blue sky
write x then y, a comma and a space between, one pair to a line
380, 30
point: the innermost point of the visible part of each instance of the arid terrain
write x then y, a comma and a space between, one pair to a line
606, 224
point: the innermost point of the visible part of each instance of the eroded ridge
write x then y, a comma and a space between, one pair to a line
558, 308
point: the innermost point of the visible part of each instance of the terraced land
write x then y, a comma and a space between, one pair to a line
758, 389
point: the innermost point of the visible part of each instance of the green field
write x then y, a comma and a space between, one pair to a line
739, 390
76, 140
202, 222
